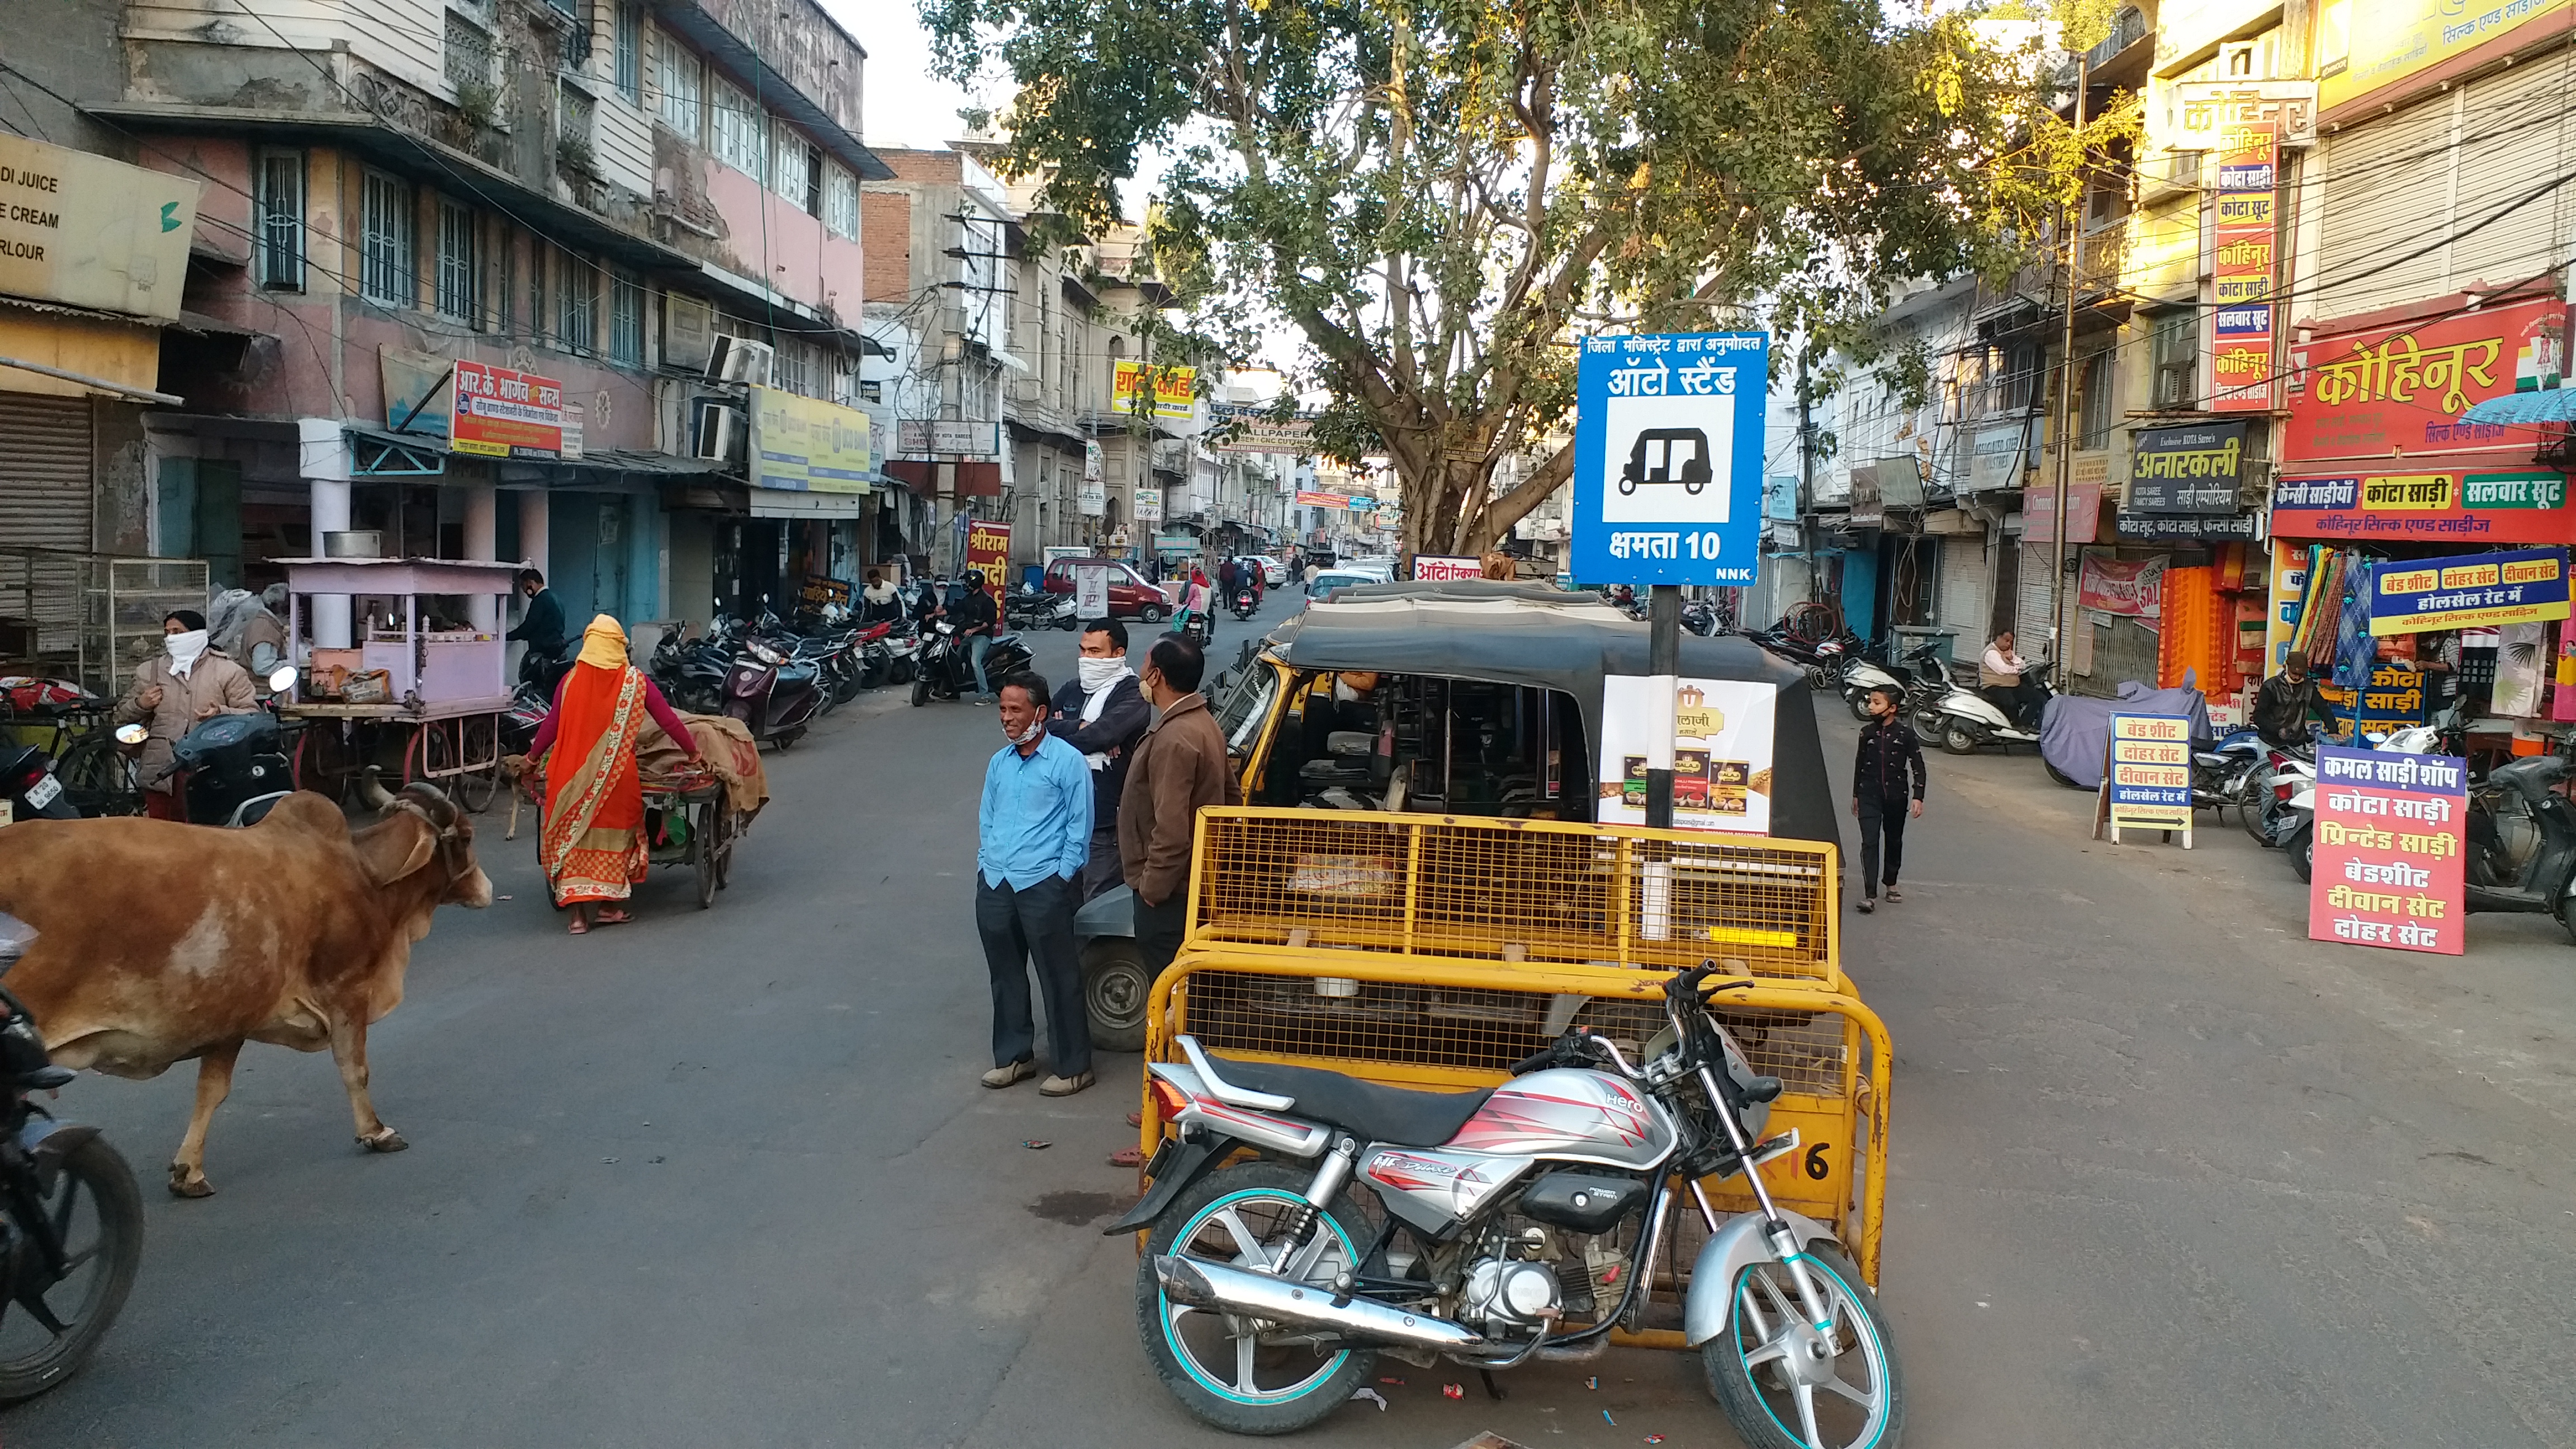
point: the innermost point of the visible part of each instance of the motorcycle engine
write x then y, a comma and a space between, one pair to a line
1507, 1295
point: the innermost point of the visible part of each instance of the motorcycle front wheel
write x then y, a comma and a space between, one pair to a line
95, 1205
920, 690
1239, 1375
1958, 739
1783, 1385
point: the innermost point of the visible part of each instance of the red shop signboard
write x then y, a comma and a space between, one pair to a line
2382, 396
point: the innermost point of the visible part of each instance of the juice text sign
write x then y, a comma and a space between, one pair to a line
2388, 837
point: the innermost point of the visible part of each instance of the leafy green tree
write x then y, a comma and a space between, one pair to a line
1441, 195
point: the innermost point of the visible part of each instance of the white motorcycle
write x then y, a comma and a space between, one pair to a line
1963, 721
1509, 1226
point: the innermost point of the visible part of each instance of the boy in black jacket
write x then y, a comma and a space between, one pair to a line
1887, 787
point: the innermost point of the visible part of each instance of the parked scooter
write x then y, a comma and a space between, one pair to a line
29, 789
1507, 1233
1963, 721
2228, 774
773, 695
71, 1220
945, 669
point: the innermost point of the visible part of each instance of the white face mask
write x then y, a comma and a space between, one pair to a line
184, 649
1037, 727
1099, 674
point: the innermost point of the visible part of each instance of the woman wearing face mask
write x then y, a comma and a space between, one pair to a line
187, 684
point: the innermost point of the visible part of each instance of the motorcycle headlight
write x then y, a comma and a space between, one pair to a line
764, 653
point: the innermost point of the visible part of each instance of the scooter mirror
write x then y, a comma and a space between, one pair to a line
133, 734
281, 679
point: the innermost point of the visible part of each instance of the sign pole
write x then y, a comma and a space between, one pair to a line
1663, 668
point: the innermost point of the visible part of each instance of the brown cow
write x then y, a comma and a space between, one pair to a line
159, 942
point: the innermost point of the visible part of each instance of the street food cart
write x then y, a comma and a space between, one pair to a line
420, 689
1436, 872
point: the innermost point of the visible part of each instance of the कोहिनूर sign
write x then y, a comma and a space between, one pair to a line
1668, 458
2387, 868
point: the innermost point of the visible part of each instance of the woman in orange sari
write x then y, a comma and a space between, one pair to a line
593, 847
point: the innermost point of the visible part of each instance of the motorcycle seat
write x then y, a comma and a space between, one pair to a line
1365, 1109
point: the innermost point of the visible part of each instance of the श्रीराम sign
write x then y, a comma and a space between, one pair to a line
2389, 831
2146, 781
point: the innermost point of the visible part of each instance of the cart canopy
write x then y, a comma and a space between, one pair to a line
1498, 633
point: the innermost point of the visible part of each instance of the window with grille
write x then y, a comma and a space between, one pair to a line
576, 303
625, 319
2177, 353
574, 51
798, 171
2020, 382
740, 131
460, 263
386, 243
681, 78
2094, 422
469, 52
841, 202
627, 44
281, 220
793, 373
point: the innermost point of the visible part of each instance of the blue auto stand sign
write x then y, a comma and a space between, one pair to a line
1668, 458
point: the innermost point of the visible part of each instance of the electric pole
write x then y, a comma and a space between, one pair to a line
2057, 631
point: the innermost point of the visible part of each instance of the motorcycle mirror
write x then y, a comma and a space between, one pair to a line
133, 734
281, 679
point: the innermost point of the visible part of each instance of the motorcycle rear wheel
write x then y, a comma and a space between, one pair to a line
95, 1196
2303, 851
1769, 1410
1236, 1215
1860, 707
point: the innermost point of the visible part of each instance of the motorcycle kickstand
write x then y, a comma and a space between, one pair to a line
1493, 1390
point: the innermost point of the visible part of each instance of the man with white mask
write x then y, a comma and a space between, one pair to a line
1102, 713
187, 685
1032, 835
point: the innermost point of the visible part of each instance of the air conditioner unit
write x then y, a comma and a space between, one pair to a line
718, 433
734, 359
2174, 386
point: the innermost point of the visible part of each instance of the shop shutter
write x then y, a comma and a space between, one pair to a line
44, 472
2386, 191
2523, 108
2030, 626
1963, 590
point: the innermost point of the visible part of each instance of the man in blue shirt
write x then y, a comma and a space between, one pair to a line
1033, 834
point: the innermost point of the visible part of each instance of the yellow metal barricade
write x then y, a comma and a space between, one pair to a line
1516, 892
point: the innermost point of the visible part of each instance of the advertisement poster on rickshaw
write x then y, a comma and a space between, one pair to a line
2387, 864
988, 552
1722, 741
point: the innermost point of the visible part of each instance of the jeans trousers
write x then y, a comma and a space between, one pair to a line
976, 648
1879, 817
1029, 927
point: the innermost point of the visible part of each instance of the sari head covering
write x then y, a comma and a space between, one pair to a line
593, 847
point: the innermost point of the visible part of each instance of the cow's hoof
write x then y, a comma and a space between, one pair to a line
385, 1139
182, 1184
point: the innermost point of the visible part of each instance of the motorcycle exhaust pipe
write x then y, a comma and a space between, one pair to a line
1226, 1289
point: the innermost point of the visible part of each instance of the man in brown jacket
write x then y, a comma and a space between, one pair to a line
1178, 766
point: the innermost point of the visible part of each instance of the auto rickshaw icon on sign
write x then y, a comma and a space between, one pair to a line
1667, 455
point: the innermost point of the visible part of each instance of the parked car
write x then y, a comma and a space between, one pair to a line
1130, 596
1320, 588
1273, 572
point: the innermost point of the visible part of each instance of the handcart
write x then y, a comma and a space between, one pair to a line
691, 820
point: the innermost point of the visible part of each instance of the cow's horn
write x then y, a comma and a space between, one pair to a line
371, 792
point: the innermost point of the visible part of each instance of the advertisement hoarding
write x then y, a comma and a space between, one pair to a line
2364, 46
2146, 781
1149, 503
1091, 590
808, 444
2380, 393
1437, 568
1312, 499
502, 413
2477, 590
2196, 469
1174, 389
2083, 512
988, 550
2388, 865
2241, 267
2132, 589
2524, 506
963, 436
1722, 741
1668, 458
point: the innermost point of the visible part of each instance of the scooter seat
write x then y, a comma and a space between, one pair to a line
1374, 1113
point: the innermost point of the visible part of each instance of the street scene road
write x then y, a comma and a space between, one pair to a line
2164, 1173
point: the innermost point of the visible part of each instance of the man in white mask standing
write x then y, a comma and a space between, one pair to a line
188, 684
1102, 713
1033, 833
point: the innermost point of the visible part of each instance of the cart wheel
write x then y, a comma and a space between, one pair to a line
428, 749
726, 835
703, 850
481, 748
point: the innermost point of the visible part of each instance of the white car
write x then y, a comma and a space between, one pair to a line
1320, 588
1273, 572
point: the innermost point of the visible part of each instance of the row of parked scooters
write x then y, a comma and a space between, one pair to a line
1942, 698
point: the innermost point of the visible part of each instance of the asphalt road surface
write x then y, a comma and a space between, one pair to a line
2165, 1174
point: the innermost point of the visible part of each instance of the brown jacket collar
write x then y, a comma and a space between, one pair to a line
1181, 706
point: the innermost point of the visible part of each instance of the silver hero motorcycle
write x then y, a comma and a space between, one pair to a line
1493, 1229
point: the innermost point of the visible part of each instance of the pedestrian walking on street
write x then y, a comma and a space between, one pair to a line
1033, 834
593, 847
1887, 788
1179, 767
1103, 714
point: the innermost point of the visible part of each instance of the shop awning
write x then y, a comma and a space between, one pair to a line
2526, 409
797, 503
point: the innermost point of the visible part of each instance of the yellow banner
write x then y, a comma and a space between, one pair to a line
808, 444
2382, 42
1175, 389
2424, 492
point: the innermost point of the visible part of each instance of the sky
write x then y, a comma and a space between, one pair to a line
906, 105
